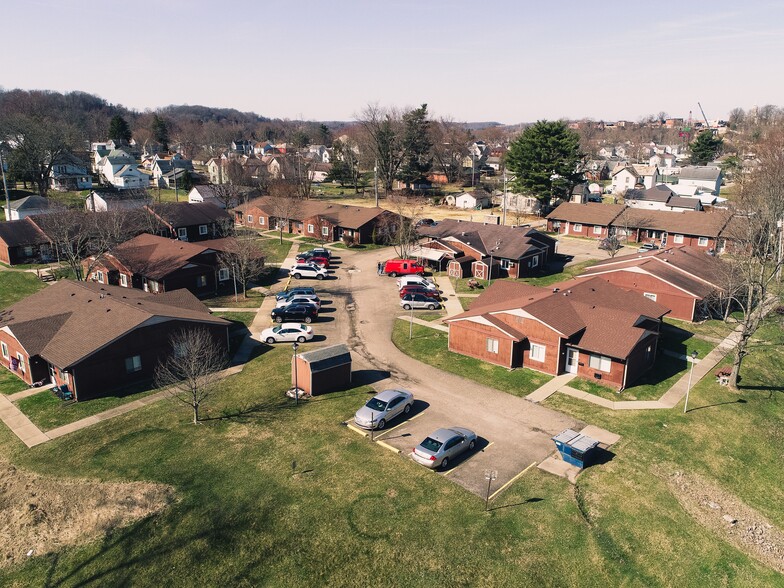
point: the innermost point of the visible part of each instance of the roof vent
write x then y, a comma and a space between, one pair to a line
569, 291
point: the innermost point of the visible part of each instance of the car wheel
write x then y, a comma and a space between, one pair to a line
393, 274
278, 319
270, 340
300, 339
407, 409
471, 445
444, 463
308, 319
431, 306
407, 306
381, 424
297, 276
319, 277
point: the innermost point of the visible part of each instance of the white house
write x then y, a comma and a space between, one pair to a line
103, 201
318, 172
319, 153
706, 177
628, 176
522, 203
27, 206
120, 170
69, 173
662, 160
476, 199
204, 194
162, 170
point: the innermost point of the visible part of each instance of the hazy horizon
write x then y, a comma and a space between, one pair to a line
316, 61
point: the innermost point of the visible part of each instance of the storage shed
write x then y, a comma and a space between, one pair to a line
322, 370
574, 447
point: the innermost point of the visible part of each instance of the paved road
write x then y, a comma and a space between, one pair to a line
514, 432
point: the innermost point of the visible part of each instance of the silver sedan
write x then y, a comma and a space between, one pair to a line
443, 445
384, 407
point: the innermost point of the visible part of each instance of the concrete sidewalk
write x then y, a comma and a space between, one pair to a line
418, 321
19, 424
450, 300
550, 388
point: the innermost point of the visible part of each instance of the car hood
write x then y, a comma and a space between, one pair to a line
366, 414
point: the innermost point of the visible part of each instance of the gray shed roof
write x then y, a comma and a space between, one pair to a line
327, 357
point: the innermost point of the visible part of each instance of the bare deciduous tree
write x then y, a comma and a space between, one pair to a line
383, 141
191, 370
398, 229
284, 204
245, 258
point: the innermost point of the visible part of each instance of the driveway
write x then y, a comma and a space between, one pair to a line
514, 432
583, 249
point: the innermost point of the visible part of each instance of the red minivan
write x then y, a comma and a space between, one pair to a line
401, 267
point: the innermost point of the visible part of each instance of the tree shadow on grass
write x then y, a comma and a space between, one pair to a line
738, 401
523, 503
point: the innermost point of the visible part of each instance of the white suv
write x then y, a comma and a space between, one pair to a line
415, 281
307, 270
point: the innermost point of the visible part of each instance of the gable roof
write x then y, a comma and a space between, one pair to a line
502, 241
22, 232
591, 213
700, 172
689, 222
350, 217
33, 202
185, 214
68, 321
156, 257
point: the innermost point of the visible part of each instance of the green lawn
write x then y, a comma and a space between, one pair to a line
253, 300
430, 316
47, 411
17, 285
10, 383
715, 329
465, 302
678, 339
567, 274
274, 251
354, 514
430, 346
362, 247
243, 318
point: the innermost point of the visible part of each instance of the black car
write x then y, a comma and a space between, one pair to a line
294, 291
425, 222
304, 313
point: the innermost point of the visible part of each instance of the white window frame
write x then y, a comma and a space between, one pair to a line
702, 242
534, 261
600, 362
182, 234
577, 227
20, 358
99, 276
537, 352
677, 239
325, 231
650, 296
203, 229
123, 280
135, 362
4, 350
311, 229
250, 219
223, 274
261, 220
597, 229
506, 264
201, 281
491, 345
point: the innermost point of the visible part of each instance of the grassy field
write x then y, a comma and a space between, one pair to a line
275, 251
430, 346
47, 411
253, 300
461, 284
246, 517
243, 318
17, 285
9, 382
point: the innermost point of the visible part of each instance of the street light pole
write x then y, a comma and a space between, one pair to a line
688, 388
5, 188
411, 324
294, 346
490, 475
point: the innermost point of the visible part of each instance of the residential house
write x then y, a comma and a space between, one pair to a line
192, 222
27, 206
321, 220
590, 328
95, 339
626, 177
119, 169
242, 146
206, 193
216, 168
580, 194
472, 249
69, 173
660, 197
597, 170
165, 171
156, 264
318, 153
476, 199
707, 178
104, 200
318, 172
607, 151
23, 241
662, 160
683, 279
519, 203
583, 220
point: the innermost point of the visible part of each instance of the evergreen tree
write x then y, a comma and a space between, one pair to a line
119, 130
705, 148
417, 146
160, 132
545, 159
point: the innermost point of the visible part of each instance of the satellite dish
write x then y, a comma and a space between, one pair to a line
594, 188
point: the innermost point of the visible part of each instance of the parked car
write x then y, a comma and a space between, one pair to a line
312, 258
287, 332
383, 407
299, 299
410, 301
647, 247
413, 289
307, 270
399, 267
443, 445
321, 252
417, 280
294, 312
307, 290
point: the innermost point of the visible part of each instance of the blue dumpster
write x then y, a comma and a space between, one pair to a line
574, 447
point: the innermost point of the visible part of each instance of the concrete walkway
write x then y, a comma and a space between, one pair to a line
19, 424
450, 300
31, 392
550, 388
418, 321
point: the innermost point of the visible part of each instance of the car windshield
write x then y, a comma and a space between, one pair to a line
431, 444
276, 329
376, 404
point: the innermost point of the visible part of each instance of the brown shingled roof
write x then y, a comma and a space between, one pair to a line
503, 241
592, 213
156, 257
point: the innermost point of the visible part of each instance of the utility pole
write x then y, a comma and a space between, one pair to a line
375, 180
503, 221
176, 191
5, 188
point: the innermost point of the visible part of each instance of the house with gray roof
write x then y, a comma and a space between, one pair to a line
706, 177
27, 206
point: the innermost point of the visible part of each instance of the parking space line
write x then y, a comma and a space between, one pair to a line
385, 431
488, 445
509, 483
457, 467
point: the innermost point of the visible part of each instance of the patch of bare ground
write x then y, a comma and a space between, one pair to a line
40, 514
728, 517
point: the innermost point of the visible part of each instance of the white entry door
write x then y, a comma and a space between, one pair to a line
572, 356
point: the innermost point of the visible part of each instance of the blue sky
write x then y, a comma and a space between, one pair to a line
506, 61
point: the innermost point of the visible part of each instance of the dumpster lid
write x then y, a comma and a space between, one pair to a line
566, 436
583, 443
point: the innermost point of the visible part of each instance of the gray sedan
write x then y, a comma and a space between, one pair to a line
444, 444
384, 407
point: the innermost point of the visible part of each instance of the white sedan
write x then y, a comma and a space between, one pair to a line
287, 332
